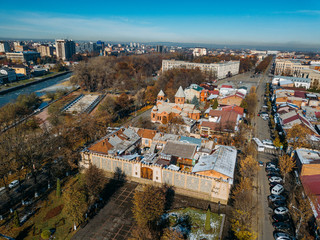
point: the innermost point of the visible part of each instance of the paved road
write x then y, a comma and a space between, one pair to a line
262, 131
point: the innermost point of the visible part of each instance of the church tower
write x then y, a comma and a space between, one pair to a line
180, 97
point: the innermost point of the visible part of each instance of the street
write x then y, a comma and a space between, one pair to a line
262, 131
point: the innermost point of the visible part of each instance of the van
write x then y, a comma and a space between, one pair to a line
277, 189
13, 184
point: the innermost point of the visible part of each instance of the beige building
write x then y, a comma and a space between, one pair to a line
45, 50
314, 75
289, 67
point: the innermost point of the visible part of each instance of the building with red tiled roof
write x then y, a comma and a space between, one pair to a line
147, 136
236, 109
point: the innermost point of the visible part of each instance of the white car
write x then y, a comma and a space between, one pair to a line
277, 189
267, 141
13, 184
270, 165
275, 179
281, 210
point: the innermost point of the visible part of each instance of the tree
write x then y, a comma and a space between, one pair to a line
16, 220
75, 204
58, 190
297, 135
215, 104
248, 167
172, 234
286, 164
94, 182
195, 101
207, 226
148, 206
277, 141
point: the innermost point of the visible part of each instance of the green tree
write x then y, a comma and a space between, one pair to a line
16, 220
207, 226
58, 190
195, 101
215, 104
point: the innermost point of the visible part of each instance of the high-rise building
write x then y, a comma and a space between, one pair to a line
65, 49
160, 49
4, 46
45, 50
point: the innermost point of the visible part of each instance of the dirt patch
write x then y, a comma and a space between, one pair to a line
53, 212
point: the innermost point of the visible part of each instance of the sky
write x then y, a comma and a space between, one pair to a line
215, 22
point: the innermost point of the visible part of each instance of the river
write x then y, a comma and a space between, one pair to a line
11, 96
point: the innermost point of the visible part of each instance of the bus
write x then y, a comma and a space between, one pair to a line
258, 144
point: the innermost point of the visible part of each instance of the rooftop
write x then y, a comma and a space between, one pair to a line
223, 160
308, 156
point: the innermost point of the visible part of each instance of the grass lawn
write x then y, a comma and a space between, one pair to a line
191, 221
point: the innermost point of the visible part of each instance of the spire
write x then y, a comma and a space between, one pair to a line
161, 93
180, 93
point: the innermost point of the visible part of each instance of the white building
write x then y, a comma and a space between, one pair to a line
9, 73
4, 46
199, 52
65, 49
222, 70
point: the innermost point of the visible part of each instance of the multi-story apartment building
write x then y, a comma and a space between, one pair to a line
4, 46
289, 67
45, 50
221, 70
65, 49
25, 56
199, 52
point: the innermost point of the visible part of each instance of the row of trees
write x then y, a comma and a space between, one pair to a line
250, 102
242, 195
263, 65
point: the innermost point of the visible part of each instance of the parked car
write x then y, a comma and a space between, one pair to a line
13, 184
271, 169
275, 179
272, 184
279, 203
273, 174
260, 163
2, 190
271, 164
283, 236
277, 190
273, 198
268, 141
281, 217
282, 226
281, 210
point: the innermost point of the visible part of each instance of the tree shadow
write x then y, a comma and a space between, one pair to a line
24, 233
115, 183
169, 195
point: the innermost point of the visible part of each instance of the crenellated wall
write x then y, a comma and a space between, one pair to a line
185, 183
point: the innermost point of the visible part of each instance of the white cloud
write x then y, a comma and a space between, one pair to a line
81, 28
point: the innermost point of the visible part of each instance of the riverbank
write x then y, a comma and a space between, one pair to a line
23, 85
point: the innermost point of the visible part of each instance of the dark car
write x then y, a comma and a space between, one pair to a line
283, 236
273, 174
279, 203
281, 218
272, 170
273, 198
282, 226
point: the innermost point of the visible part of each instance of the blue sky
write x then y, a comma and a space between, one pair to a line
222, 22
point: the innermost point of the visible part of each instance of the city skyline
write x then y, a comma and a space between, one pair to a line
208, 23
